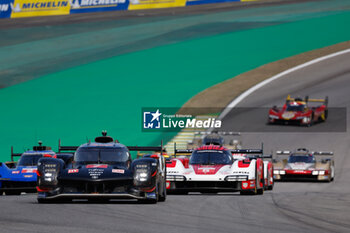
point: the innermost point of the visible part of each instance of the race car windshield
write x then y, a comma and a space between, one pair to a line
210, 157
301, 159
29, 160
295, 108
101, 155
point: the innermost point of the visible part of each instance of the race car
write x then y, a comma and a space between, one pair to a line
213, 169
102, 170
16, 178
216, 138
299, 111
267, 168
303, 164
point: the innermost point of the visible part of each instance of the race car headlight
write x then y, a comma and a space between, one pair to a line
282, 172
236, 178
276, 172
314, 173
175, 178
48, 177
321, 173
141, 175
273, 117
306, 119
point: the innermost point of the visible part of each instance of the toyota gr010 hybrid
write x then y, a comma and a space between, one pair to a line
299, 111
303, 164
214, 169
17, 177
102, 170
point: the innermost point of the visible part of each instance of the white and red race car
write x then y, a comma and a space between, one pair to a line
303, 164
216, 169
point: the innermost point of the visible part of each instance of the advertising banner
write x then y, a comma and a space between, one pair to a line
197, 2
81, 6
5, 8
149, 4
29, 8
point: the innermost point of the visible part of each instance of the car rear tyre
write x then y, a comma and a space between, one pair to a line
163, 196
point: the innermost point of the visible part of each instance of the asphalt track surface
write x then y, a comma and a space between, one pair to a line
290, 207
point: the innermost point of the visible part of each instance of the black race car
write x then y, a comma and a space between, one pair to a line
102, 170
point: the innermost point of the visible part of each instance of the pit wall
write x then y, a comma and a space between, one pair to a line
34, 8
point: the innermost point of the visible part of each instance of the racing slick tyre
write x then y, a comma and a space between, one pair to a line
162, 197
311, 121
254, 192
331, 176
147, 201
270, 187
324, 116
260, 191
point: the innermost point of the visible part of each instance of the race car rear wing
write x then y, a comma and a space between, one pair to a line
288, 152
184, 152
326, 153
307, 99
247, 151
72, 149
159, 149
259, 156
324, 101
252, 153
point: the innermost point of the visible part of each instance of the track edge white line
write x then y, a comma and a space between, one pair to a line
245, 94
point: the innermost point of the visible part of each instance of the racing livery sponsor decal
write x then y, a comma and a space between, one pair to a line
6, 8
95, 173
15, 172
29, 170
156, 119
73, 170
97, 166
121, 171
148, 4
206, 169
29, 8
81, 6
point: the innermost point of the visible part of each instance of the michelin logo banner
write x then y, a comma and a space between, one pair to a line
31, 8
28, 8
81, 6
